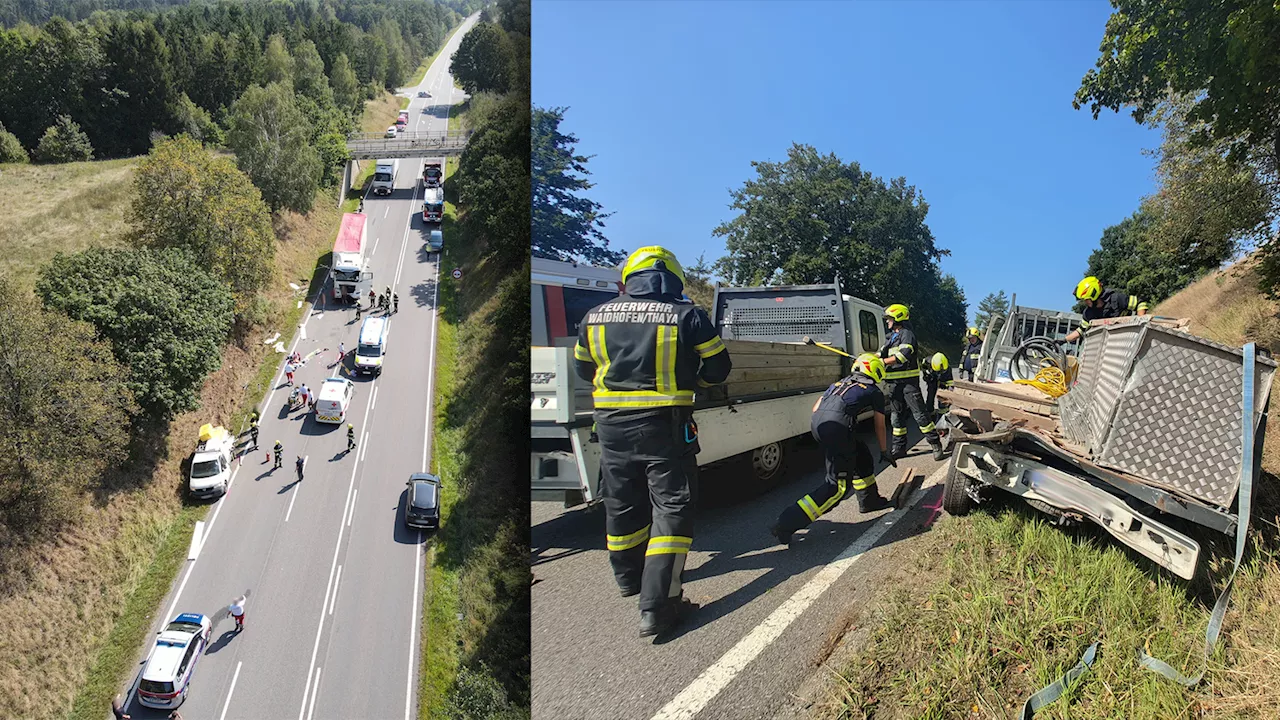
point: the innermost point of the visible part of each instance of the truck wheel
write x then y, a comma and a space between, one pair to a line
767, 462
955, 498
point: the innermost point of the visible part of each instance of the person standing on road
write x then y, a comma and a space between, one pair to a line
395, 303
351, 437
279, 455
300, 464
1100, 304
117, 709
237, 611
253, 432
832, 426
342, 351
902, 380
972, 352
373, 299
937, 373
288, 372
646, 351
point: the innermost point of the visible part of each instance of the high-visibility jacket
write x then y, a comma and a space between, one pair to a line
901, 345
1115, 303
647, 350
972, 352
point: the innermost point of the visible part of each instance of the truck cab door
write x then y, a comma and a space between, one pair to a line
364, 284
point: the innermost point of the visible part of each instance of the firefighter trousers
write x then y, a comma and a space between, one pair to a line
904, 396
649, 470
844, 453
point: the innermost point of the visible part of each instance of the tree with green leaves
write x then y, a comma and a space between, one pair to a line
277, 63
996, 303
137, 91
309, 78
165, 317
493, 181
64, 142
1131, 255
11, 150
64, 418
186, 197
272, 143
346, 89
812, 217
566, 225
195, 121
484, 60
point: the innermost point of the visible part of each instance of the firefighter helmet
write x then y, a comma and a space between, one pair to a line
870, 365
897, 312
975, 332
1143, 307
938, 362
1088, 289
652, 257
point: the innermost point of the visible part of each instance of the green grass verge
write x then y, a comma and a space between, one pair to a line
440, 630
1011, 604
119, 654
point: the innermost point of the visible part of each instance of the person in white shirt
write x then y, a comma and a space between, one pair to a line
237, 612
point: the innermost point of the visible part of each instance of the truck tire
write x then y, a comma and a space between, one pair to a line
955, 498
768, 462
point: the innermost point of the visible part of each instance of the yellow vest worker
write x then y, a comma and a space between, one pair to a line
645, 353
902, 382
972, 353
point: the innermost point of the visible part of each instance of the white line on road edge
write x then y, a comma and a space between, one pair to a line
196, 540
227, 704
207, 530
364, 444
374, 400
337, 547
314, 696
384, 212
334, 601
701, 691
352, 512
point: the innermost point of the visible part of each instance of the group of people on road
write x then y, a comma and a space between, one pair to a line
388, 301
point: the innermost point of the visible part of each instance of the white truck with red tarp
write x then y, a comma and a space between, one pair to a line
349, 268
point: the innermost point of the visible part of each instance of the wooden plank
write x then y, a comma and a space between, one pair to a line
787, 360
747, 347
783, 373
1000, 412
768, 386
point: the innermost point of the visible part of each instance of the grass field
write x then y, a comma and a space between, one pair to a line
1011, 601
83, 610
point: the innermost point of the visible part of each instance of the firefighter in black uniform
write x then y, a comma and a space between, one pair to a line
937, 373
645, 352
1101, 303
902, 380
972, 351
833, 417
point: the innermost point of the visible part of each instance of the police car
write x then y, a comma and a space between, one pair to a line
172, 661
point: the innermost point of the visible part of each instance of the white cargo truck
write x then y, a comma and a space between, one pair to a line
384, 176
755, 417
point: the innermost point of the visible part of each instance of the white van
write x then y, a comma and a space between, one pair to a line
384, 176
334, 400
372, 347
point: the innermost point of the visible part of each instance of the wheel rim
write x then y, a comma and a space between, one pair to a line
767, 460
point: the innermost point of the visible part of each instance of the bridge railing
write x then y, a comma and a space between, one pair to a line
451, 136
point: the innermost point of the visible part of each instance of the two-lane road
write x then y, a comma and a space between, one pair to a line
334, 578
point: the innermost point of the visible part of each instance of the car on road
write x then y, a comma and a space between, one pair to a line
435, 241
391, 131
423, 508
172, 661
423, 93
334, 400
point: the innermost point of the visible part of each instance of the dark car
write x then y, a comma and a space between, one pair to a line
423, 93
423, 508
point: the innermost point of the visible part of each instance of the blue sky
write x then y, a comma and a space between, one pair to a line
970, 101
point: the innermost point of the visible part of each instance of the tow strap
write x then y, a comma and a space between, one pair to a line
1054, 690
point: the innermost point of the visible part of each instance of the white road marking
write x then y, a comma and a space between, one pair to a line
314, 695
194, 552
302, 331
352, 513
232, 689
337, 547
384, 212
364, 444
702, 690
208, 529
334, 601
374, 401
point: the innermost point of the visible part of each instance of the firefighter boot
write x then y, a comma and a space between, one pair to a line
870, 500
936, 444
782, 537
664, 619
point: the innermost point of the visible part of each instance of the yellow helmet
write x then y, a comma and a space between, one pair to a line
1144, 306
938, 362
974, 332
1088, 289
648, 258
870, 365
897, 312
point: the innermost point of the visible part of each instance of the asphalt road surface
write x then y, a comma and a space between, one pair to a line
333, 576
766, 612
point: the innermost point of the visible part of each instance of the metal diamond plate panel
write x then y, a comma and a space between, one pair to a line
1164, 406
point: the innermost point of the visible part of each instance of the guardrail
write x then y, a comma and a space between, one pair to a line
407, 144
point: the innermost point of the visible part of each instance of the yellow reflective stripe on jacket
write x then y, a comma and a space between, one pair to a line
1084, 324
714, 346
1133, 301
599, 353
669, 545
641, 398
581, 353
899, 374
626, 542
665, 360
864, 483
897, 352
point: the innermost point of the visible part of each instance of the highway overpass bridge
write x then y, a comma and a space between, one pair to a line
363, 147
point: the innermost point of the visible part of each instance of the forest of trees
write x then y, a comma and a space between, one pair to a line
290, 75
